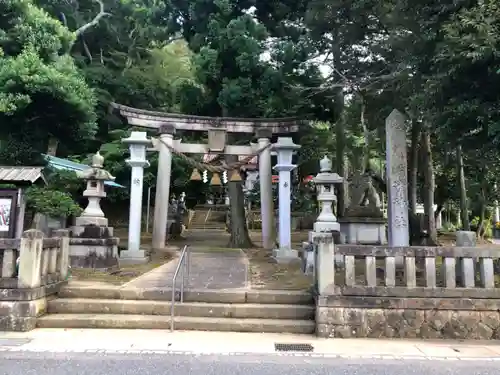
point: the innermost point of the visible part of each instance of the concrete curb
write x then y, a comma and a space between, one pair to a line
211, 353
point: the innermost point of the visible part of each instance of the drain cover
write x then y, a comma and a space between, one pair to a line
14, 342
298, 347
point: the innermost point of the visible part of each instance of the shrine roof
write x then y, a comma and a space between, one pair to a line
20, 174
68, 165
154, 119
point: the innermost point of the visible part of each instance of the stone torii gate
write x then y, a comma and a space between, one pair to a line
217, 127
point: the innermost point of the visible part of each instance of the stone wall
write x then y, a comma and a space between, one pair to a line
423, 318
20, 308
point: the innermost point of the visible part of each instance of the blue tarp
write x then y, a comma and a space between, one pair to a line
67, 165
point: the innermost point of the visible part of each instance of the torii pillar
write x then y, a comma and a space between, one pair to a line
166, 135
266, 189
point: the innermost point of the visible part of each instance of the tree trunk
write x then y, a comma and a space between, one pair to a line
413, 183
482, 203
341, 165
366, 136
496, 213
464, 212
240, 237
430, 221
52, 146
439, 210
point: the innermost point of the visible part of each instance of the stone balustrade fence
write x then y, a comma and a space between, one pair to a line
407, 292
443, 271
32, 268
34, 261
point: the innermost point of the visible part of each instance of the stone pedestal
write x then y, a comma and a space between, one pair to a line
285, 149
465, 238
363, 231
93, 247
133, 257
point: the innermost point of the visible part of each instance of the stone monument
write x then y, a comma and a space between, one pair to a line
285, 149
363, 221
397, 179
92, 244
138, 142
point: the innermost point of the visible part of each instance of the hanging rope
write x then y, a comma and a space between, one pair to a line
214, 168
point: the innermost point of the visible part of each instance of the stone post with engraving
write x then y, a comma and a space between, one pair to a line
397, 179
138, 141
285, 148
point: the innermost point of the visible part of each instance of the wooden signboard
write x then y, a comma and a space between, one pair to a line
8, 213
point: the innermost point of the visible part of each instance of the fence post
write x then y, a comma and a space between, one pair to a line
325, 261
30, 259
63, 265
8, 263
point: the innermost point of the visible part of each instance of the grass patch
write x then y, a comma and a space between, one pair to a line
123, 274
265, 273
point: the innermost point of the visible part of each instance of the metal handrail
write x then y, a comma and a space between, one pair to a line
191, 214
206, 217
184, 265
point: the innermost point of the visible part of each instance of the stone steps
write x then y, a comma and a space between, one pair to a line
187, 309
122, 321
218, 226
241, 310
280, 297
198, 222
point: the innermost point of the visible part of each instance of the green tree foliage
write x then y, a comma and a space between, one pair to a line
51, 202
435, 61
42, 93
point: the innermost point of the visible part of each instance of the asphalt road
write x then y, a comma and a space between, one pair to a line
134, 364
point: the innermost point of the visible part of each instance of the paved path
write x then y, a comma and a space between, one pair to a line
161, 364
130, 342
209, 269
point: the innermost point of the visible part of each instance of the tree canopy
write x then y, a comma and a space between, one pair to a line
343, 65
42, 93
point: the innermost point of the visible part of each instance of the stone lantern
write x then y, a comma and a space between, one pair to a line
95, 177
92, 244
285, 149
325, 184
326, 224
